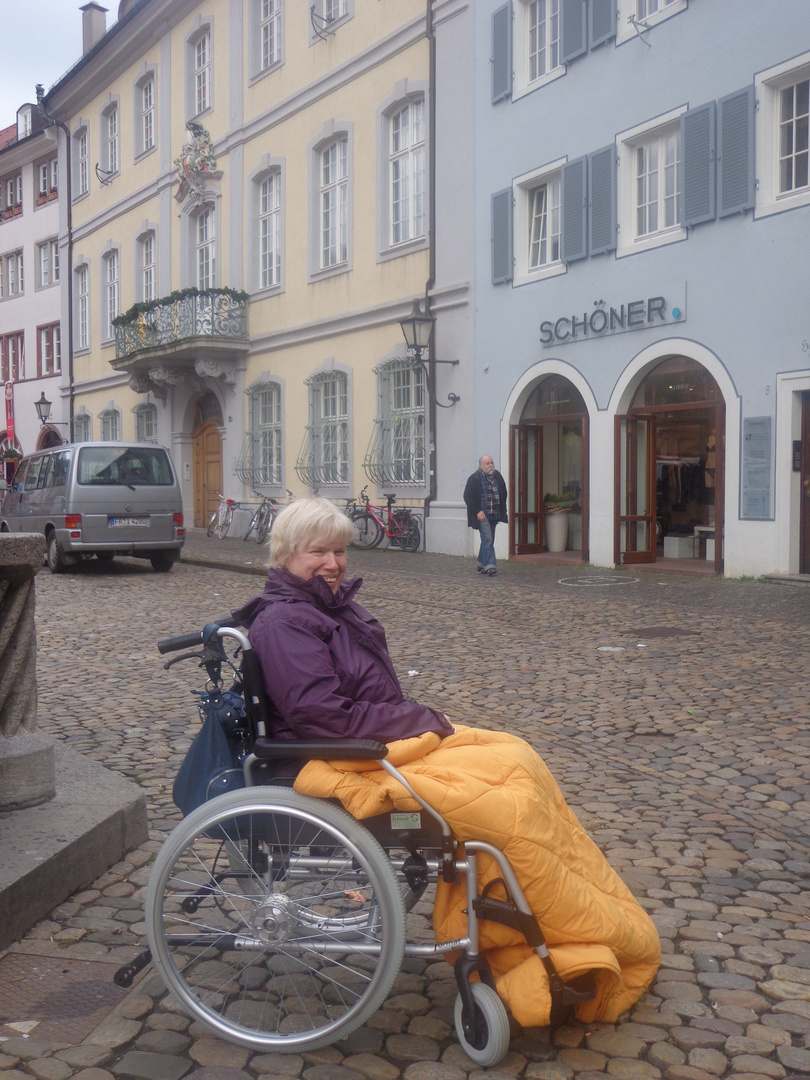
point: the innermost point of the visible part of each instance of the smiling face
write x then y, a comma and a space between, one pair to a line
320, 558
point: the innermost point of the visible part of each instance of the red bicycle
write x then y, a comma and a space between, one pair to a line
374, 522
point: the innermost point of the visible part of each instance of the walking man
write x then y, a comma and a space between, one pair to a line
485, 496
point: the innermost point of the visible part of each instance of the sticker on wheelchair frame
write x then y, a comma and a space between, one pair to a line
406, 821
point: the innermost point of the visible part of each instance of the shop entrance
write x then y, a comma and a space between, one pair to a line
669, 459
207, 455
549, 464
804, 520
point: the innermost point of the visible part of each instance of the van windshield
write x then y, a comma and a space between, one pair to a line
134, 466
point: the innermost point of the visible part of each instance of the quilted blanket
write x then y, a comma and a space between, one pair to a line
492, 786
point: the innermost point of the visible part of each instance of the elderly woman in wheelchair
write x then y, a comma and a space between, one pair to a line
281, 920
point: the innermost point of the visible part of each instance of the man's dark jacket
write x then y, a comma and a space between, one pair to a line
472, 497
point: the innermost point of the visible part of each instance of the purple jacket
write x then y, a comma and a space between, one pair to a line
326, 666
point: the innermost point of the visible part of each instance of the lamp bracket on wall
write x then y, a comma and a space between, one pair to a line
639, 26
417, 362
104, 176
320, 25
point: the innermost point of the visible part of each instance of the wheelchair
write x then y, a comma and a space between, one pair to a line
280, 921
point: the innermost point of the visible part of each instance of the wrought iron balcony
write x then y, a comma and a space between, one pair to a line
214, 317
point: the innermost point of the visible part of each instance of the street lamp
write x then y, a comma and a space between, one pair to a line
417, 329
43, 407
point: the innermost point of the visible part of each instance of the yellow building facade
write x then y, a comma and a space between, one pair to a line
249, 221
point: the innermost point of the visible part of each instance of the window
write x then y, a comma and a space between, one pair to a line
25, 123
111, 146
334, 203
82, 330
270, 231
538, 55
264, 436
48, 263
147, 267
12, 356
407, 171
537, 199
544, 224
12, 195
205, 247
112, 293
110, 424
645, 13
783, 136
202, 73
11, 275
146, 422
82, 429
80, 152
270, 33
794, 111
331, 405
650, 198
49, 355
147, 114
401, 454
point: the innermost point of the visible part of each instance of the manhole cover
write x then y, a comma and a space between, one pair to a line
68, 998
661, 631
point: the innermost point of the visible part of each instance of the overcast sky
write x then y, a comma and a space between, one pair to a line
39, 41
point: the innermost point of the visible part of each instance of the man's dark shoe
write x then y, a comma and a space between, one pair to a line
490, 571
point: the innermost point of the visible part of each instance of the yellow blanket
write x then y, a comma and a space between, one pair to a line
492, 786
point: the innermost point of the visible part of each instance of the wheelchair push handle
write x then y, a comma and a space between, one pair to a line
190, 641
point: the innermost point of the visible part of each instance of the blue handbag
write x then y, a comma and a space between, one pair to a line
213, 764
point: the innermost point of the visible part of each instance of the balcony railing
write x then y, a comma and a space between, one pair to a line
213, 314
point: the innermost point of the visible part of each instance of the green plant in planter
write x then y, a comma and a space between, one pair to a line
558, 504
10, 454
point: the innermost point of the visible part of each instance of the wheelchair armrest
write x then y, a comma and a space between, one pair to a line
319, 750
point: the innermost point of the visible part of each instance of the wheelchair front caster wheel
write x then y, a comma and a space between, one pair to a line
488, 1044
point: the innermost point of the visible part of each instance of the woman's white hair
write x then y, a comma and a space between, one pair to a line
305, 521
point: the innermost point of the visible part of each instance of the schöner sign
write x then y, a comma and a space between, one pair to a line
604, 320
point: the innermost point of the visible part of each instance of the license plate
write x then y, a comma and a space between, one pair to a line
123, 521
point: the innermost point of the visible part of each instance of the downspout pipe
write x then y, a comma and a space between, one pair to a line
430, 34
52, 122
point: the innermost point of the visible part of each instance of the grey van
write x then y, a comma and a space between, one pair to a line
102, 499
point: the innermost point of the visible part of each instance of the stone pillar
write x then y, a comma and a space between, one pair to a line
26, 757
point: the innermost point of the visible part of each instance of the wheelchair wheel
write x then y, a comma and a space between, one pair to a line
276, 919
492, 1019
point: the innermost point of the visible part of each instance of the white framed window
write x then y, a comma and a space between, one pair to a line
205, 248
49, 359
82, 301
334, 202
12, 282
12, 350
537, 36
82, 428
12, 194
407, 171
80, 154
402, 423
111, 146
110, 424
43, 179
265, 434
147, 102
202, 73
537, 207
649, 201
25, 123
645, 14
145, 422
112, 292
269, 33
332, 404
148, 268
270, 230
783, 137
48, 263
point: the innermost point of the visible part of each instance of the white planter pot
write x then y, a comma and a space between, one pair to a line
556, 531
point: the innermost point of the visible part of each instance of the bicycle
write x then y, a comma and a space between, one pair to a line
264, 517
222, 517
374, 522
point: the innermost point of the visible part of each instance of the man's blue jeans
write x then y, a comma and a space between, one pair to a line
486, 555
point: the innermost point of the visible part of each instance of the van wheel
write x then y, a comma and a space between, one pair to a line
54, 556
162, 561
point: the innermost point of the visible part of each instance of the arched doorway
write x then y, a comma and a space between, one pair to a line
669, 467
207, 455
549, 456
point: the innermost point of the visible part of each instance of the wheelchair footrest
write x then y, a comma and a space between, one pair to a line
580, 988
505, 913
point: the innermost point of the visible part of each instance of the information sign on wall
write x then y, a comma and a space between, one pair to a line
755, 501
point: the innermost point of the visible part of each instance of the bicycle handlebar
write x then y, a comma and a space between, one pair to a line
189, 641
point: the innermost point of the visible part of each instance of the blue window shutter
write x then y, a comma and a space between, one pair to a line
502, 236
602, 202
502, 53
603, 21
698, 165
574, 210
735, 138
574, 29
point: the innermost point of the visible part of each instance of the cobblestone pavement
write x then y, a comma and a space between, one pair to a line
672, 709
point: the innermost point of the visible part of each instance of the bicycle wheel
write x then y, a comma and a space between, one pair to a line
411, 538
367, 532
276, 919
212, 524
225, 523
265, 526
254, 522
